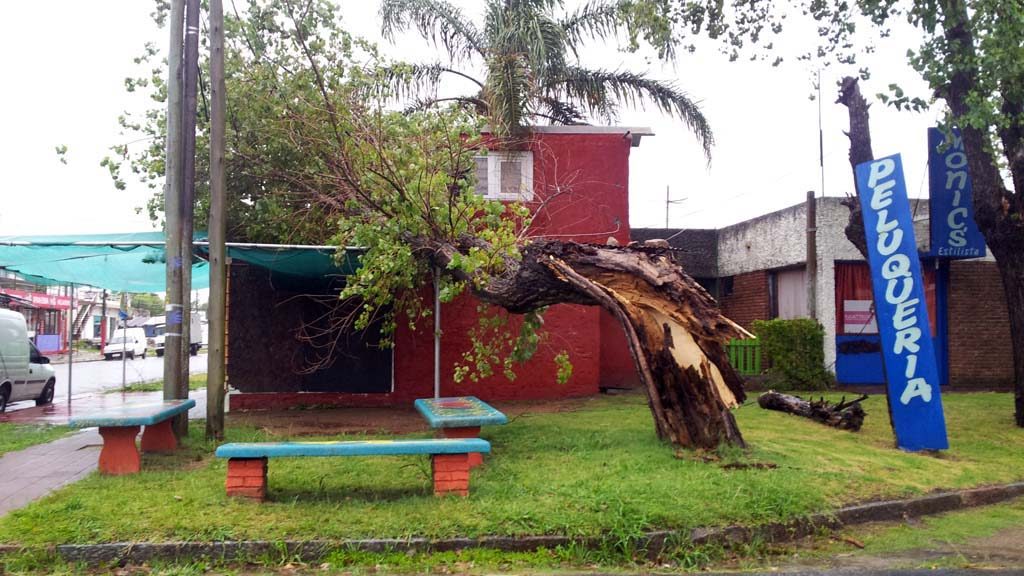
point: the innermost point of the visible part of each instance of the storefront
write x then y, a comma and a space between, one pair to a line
46, 316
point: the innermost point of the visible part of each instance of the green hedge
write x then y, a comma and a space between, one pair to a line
795, 355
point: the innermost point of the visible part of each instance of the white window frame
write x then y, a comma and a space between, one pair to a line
494, 160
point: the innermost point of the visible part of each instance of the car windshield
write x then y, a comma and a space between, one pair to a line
118, 340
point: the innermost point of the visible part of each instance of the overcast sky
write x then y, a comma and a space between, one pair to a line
65, 63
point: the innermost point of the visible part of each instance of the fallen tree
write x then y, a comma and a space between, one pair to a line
315, 156
675, 331
844, 415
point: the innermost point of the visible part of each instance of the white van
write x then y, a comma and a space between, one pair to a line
130, 342
25, 374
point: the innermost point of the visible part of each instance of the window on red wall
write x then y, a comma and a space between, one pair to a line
855, 308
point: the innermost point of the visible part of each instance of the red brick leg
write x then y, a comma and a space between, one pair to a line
247, 478
475, 458
119, 454
451, 474
159, 438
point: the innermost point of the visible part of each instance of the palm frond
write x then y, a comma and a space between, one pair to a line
597, 90
597, 19
560, 112
509, 93
436, 20
411, 80
470, 102
526, 27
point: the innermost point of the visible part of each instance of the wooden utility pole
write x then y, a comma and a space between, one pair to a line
215, 371
191, 78
172, 213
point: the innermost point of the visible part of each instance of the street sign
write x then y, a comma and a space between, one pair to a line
907, 348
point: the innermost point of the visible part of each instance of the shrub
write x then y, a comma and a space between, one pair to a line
795, 355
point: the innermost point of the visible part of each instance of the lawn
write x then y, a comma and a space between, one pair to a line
195, 382
597, 470
20, 436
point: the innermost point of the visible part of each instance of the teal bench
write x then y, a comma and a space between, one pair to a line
119, 426
247, 462
460, 417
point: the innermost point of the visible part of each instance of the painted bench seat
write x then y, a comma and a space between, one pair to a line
119, 426
460, 417
247, 461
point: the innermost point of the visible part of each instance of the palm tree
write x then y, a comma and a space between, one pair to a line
530, 57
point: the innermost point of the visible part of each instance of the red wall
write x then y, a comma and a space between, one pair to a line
585, 180
749, 299
581, 187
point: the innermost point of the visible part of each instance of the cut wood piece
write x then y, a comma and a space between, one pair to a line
844, 415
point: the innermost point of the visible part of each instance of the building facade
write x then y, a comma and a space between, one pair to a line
576, 181
758, 270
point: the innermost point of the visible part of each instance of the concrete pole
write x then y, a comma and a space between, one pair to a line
812, 255
215, 371
71, 338
190, 68
172, 210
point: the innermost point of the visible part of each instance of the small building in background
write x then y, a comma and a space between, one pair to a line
757, 270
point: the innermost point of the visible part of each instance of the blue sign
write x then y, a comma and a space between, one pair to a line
122, 314
907, 348
954, 232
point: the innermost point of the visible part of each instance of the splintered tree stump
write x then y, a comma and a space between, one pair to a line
844, 415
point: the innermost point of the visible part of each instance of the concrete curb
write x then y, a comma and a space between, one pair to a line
652, 542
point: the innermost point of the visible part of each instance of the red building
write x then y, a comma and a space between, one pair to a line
575, 178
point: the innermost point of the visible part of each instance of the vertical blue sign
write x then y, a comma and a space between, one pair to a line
954, 232
910, 367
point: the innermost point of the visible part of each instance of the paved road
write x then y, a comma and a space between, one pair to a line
91, 377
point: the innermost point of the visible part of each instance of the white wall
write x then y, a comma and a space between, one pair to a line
779, 240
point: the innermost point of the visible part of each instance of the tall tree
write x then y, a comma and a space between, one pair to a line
971, 56
529, 53
317, 156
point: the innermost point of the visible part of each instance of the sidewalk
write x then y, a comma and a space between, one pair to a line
36, 471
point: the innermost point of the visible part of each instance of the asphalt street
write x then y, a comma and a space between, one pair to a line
96, 376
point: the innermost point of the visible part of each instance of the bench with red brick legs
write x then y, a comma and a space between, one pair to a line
247, 462
119, 427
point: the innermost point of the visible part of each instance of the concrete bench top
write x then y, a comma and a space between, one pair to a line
133, 414
459, 412
356, 448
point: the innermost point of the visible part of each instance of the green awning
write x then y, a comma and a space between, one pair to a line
118, 262
134, 262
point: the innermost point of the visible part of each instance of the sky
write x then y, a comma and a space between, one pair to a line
66, 87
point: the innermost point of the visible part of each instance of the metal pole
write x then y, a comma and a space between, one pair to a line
437, 332
172, 207
667, 202
215, 364
71, 338
123, 313
812, 255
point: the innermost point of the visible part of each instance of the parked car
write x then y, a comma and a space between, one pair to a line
157, 325
25, 374
130, 342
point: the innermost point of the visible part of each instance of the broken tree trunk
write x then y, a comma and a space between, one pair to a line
676, 333
844, 415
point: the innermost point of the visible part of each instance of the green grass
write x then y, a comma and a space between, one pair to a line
195, 382
596, 471
15, 437
938, 531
